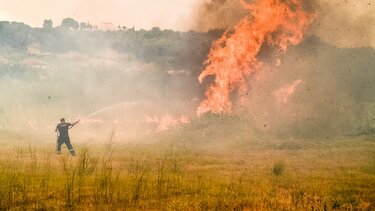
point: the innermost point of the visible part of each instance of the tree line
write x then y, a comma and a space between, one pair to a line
168, 48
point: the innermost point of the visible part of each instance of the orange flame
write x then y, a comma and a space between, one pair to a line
166, 122
277, 23
283, 94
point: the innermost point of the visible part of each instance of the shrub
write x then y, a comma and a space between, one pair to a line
278, 168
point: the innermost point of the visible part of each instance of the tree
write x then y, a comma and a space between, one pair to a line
70, 23
47, 24
85, 26
82, 25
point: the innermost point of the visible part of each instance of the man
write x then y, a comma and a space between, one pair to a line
63, 136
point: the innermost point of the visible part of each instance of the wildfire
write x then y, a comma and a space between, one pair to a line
166, 122
276, 23
283, 94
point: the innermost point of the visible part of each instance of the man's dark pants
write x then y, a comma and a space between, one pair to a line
64, 140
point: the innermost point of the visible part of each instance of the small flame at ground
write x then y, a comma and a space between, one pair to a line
233, 58
283, 94
166, 122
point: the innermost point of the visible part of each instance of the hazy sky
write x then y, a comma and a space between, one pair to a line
349, 23
173, 14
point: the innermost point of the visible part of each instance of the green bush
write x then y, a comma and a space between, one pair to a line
278, 168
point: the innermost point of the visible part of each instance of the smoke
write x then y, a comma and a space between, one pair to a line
322, 86
218, 14
110, 80
313, 90
234, 56
345, 24
130, 81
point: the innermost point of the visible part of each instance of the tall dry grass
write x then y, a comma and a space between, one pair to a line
277, 175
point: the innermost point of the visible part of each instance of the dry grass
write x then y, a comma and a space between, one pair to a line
331, 174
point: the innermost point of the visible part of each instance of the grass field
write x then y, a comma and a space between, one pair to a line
288, 174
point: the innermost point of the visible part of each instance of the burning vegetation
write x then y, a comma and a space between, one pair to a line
257, 111
233, 58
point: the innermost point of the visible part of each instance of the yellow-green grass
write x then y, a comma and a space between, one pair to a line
253, 174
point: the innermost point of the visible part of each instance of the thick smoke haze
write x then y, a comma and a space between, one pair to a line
346, 24
319, 87
314, 90
126, 81
131, 81
187, 105
217, 14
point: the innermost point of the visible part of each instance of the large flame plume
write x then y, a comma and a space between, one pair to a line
233, 58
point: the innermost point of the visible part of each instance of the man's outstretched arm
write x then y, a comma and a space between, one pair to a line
74, 123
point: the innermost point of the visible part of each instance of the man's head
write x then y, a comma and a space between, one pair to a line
62, 120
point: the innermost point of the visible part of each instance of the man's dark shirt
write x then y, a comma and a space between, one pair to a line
63, 129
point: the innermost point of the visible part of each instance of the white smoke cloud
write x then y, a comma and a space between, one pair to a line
342, 23
346, 24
